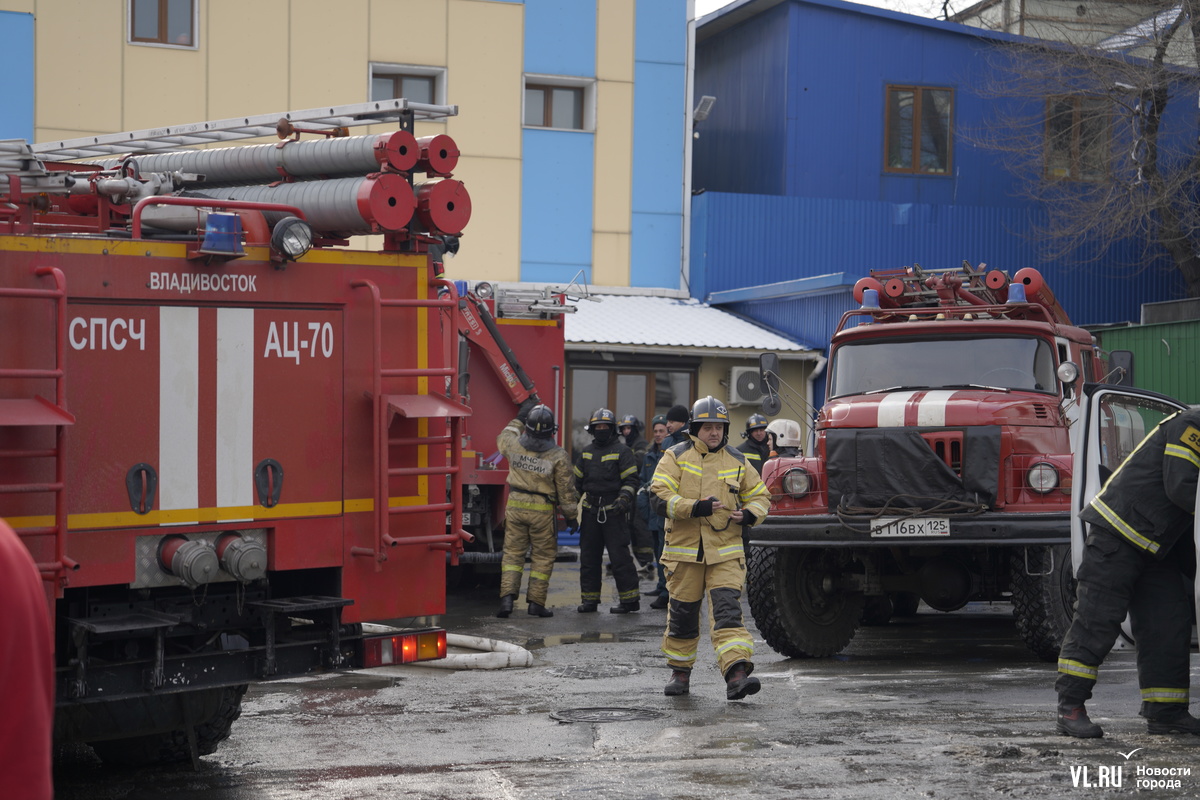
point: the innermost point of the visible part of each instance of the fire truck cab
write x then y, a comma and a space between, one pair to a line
941, 464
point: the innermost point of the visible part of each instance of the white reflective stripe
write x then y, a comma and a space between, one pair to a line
891, 410
931, 412
178, 407
235, 407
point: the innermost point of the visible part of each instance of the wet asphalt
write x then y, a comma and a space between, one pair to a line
930, 706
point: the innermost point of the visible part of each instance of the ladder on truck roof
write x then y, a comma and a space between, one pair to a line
326, 120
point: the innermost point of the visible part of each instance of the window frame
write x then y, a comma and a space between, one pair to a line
162, 24
382, 69
918, 100
1075, 171
550, 82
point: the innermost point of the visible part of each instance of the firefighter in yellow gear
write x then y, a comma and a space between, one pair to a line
539, 478
707, 491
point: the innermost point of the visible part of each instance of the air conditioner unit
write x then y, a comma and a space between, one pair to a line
745, 386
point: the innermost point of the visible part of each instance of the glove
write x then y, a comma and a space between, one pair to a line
703, 508
748, 518
621, 505
526, 407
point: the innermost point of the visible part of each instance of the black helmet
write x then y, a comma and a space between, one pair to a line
630, 421
709, 409
757, 422
540, 422
599, 417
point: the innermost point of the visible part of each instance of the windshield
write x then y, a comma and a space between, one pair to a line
1022, 363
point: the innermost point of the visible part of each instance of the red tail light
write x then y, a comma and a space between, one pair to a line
404, 648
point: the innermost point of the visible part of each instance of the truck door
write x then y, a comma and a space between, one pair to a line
1115, 419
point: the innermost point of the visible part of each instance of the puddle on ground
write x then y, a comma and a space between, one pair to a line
577, 638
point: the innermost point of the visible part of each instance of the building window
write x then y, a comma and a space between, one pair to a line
919, 127
643, 393
557, 102
415, 83
1077, 138
165, 22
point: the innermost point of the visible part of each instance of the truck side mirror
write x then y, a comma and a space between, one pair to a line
768, 372
1120, 367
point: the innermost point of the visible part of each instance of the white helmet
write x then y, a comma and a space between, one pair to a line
787, 433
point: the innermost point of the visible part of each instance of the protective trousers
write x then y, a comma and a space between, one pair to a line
526, 530
596, 536
641, 538
1116, 578
687, 583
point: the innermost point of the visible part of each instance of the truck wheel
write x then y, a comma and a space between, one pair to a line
795, 609
170, 746
1043, 604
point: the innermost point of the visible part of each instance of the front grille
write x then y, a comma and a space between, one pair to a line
948, 445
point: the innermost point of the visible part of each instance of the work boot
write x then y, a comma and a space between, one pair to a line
738, 682
660, 602
626, 608
587, 608
506, 605
539, 610
679, 682
1175, 721
1073, 721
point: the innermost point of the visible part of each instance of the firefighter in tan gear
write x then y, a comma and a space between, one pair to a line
539, 478
707, 491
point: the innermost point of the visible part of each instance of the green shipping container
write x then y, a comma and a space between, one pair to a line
1166, 356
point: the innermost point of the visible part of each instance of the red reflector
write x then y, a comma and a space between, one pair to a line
404, 648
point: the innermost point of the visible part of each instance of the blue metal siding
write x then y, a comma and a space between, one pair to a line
657, 250
742, 143
560, 37
749, 240
16, 64
556, 204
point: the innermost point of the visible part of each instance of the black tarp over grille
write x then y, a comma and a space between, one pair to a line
867, 468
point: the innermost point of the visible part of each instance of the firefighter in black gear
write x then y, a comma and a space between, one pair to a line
630, 428
1139, 548
757, 446
607, 480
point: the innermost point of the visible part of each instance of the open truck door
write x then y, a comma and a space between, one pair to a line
1115, 419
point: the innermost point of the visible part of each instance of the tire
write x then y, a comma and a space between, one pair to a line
793, 611
1043, 604
171, 746
877, 610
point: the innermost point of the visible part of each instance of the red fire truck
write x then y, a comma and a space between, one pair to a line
500, 325
227, 440
940, 468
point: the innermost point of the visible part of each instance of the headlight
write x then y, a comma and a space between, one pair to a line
292, 237
1042, 477
796, 483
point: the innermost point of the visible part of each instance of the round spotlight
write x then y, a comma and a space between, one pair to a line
1042, 477
292, 238
484, 290
796, 483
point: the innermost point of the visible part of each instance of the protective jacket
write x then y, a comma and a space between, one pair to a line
538, 481
689, 473
1150, 498
639, 446
756, 453
604, 471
